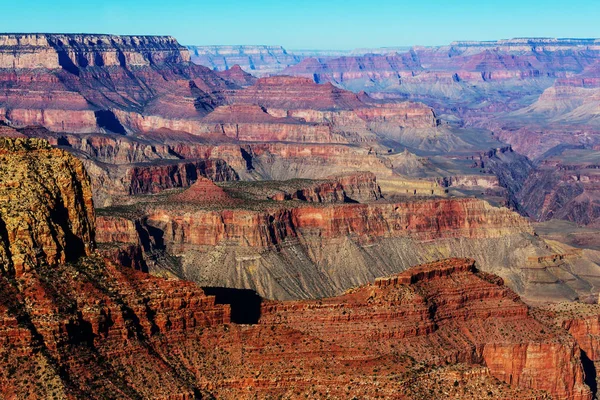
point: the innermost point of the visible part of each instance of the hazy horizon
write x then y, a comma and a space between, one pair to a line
310, 24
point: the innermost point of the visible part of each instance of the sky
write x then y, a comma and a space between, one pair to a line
309, 24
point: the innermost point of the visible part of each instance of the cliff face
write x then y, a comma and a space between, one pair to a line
286, 96
46, 205
76, 83
349, 188
434, 305
511, 87
54, 51
238, 76
173, 121
459, 61
293, 250
69, 323
583, 323
81, 327
425, 220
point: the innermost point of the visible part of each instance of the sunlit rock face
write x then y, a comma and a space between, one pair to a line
77, 83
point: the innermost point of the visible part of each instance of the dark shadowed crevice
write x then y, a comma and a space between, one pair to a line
157, 236
8, 268
67, 64
245, 303
63, 141
98, 60
82, 61
74, 245
590, 373
248, 158
349, 200
80, 332
121, 58
106, 119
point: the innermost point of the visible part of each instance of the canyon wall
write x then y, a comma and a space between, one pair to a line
257, 60
76, 82
54, 51
47, 206
85, 327
565, 186
304, 251
436, 297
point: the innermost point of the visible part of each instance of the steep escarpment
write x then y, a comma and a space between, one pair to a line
80, 83
53, 51
359, 187
115, 184
436, 297
300, 251
170, 160
46, 205
171, 121
512, 87
70, 323
303, 98
583, 323
238, 76
85, 328
473, 62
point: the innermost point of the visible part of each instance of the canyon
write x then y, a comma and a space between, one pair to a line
538, 95
273, 143
307, 248
417, 223
84, 326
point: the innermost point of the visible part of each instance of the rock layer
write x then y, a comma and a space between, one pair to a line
294, 250
80, 83
83, 327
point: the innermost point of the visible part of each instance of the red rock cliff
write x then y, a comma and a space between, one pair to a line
88, 328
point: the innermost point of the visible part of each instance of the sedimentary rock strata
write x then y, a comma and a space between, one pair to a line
295, 250
79, 83
257, 60
566, 187
86, 327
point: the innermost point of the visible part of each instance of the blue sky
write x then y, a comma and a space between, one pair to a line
309, 24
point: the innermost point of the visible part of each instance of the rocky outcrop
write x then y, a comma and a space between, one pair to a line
425, 220
238, 76
296, 93
295, 250
291, 249
80, 83
114, 185
358, 187
434, 305
87, 327
492, 85
54, 51
70, 323
156, 178
203, 191
583, 323
474, 62
47, 214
